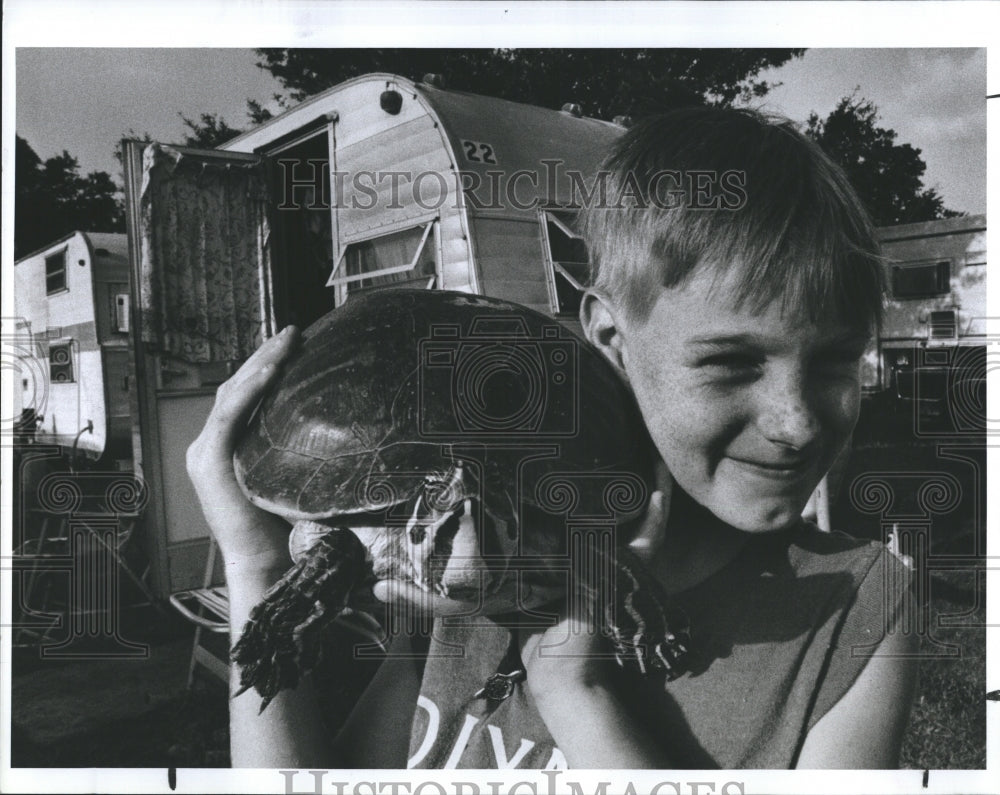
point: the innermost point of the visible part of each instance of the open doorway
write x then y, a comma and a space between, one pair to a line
303, 247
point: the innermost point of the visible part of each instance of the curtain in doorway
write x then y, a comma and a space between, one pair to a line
205, 280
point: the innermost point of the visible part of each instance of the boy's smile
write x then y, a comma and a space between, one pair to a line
748, 409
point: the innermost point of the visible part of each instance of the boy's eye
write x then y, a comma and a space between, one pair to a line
732, 363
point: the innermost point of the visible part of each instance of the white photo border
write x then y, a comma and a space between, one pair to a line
313, 23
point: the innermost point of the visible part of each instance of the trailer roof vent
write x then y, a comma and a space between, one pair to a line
435, 80
623, 121
391, 101
573, 109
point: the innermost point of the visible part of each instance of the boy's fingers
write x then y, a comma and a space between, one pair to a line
273, 351
233, 405
647, 538
235, 400
273, 345
664, 481
237, 397
652, 528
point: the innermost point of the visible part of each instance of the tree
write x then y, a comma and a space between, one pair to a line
605, 83
888, 176
210, 131
51, 199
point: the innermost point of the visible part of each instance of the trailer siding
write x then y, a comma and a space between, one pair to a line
495, 156
354, 103
456, 265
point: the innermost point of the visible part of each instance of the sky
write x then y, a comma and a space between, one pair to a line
935, 99
83, 100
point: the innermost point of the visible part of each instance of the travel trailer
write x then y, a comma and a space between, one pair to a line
375, 183
930, 360
72, 320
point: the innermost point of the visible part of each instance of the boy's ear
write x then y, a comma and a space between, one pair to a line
604, 330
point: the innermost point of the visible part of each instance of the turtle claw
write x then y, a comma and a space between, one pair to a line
428, 585
671, 657
646, 632
668, 655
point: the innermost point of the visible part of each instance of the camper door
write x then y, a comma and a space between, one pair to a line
202, 301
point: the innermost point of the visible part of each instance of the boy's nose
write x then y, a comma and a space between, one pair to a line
787, 417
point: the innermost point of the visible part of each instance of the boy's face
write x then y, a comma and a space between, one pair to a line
747, 410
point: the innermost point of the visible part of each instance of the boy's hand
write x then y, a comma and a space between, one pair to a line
574, 647
570, 678
653, 528
250, 539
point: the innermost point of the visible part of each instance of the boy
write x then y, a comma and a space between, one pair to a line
736, 286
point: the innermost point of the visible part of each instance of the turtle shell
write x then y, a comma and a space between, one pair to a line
396, 386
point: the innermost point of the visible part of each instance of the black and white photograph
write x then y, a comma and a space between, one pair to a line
479, 398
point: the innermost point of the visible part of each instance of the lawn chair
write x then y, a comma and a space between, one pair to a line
208, 609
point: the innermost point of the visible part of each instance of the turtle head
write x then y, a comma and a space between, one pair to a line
442, 539
456, 545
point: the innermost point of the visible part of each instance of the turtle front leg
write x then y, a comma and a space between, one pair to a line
644, 629
281, 641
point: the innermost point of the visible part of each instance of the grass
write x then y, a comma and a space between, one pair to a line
188, 731
947, 729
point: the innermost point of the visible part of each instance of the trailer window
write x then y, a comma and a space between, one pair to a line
399, 259
566, 259
55, 272
922, 280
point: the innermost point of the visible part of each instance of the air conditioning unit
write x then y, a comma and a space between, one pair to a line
942, 326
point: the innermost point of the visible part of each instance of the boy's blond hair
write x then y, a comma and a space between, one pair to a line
733, 188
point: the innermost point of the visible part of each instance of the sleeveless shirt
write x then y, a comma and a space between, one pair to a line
780, 633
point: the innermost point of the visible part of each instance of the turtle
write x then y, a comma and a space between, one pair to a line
407, 415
